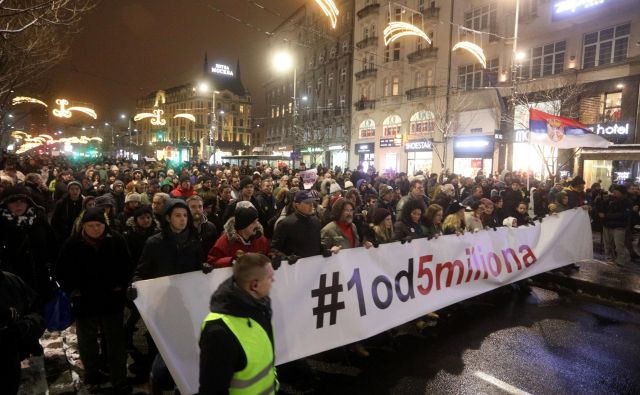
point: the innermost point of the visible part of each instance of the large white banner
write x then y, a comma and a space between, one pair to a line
323, 303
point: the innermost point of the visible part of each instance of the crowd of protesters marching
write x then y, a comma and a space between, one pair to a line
95, 228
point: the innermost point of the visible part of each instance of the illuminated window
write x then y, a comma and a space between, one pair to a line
395, 86
391, 126
611, 107
367, 129
422, 122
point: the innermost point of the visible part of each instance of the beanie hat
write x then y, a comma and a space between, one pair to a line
94, 214
379, 215
74, 183
384, 189
245, 181
133, 197
105, 201
334, 188
348, 184
245, 216
118, 182
140, 211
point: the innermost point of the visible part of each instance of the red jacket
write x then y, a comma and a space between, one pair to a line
181, 193
221, 254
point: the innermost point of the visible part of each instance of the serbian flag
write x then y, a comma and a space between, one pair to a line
560, 132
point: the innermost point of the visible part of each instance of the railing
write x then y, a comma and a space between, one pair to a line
431, 12
360, 75
365, 105
369, 41
422, 54
368, 10
422, 91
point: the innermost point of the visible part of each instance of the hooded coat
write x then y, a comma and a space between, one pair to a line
221, 354
137, 237
64, 215
230, 242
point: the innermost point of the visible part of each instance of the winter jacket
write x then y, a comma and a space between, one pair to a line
331, 235
19, 337
180, 193
137, 237
511, 199
230, 242
221, 354
576, 198
230, 210
95, 277
618, 213
472, 222
28, 247
208, 235
299, 235
165, 254
403, 231
266, 206
64, 215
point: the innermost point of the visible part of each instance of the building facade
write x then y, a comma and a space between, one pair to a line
419, 106
312, 122
182, 126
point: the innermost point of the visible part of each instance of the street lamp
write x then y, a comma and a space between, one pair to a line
204, 87
283, 62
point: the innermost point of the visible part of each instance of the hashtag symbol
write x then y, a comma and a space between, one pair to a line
321, 292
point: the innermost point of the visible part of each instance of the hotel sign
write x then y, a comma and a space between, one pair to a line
222, 69
568, 7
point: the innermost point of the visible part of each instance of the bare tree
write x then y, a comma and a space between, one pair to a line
556, 97
35, 35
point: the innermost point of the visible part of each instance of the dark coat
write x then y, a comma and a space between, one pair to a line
28, 249
403, 231
208, 235
96, 277
510, 200
217, 339
299, 235
164, 255
266, 210
136, 237
64, 215
618, 213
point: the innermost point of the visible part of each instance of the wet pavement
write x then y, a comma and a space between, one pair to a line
501, 342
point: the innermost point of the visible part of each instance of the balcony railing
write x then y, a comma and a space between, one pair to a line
367, 42
368, 10
422, 54
431, 12
365, 105
422, 91
360, 75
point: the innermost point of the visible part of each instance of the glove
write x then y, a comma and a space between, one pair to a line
132, 293
276, 261
326, 253
292, 259
375, 243
206, 268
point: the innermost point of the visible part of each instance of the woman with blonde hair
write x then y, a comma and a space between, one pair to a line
454, 223
381, 228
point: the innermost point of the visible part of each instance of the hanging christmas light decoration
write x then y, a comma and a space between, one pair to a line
474, 50
330, 9
185, 116
25, 99
397, 29
64, 112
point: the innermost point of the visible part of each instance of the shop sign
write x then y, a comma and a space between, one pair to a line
418, 146
365, 148
567, 7
387, 143
311, 150
473, 147
611, 129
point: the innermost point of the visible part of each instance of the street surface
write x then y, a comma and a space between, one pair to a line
499, 343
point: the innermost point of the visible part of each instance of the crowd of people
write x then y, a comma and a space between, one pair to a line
96, 228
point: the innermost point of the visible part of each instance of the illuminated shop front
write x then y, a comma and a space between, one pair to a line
366, 155
419, 156
472, 154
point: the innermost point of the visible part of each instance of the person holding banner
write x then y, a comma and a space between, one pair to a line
236, 344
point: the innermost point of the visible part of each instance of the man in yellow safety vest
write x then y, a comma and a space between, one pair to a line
236, 344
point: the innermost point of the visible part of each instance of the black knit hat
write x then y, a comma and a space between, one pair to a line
140, 211
94, 214
245, 181
245, 216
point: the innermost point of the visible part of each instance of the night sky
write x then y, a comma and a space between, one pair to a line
128, 48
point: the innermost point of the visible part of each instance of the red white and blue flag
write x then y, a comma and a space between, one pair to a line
560, 132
